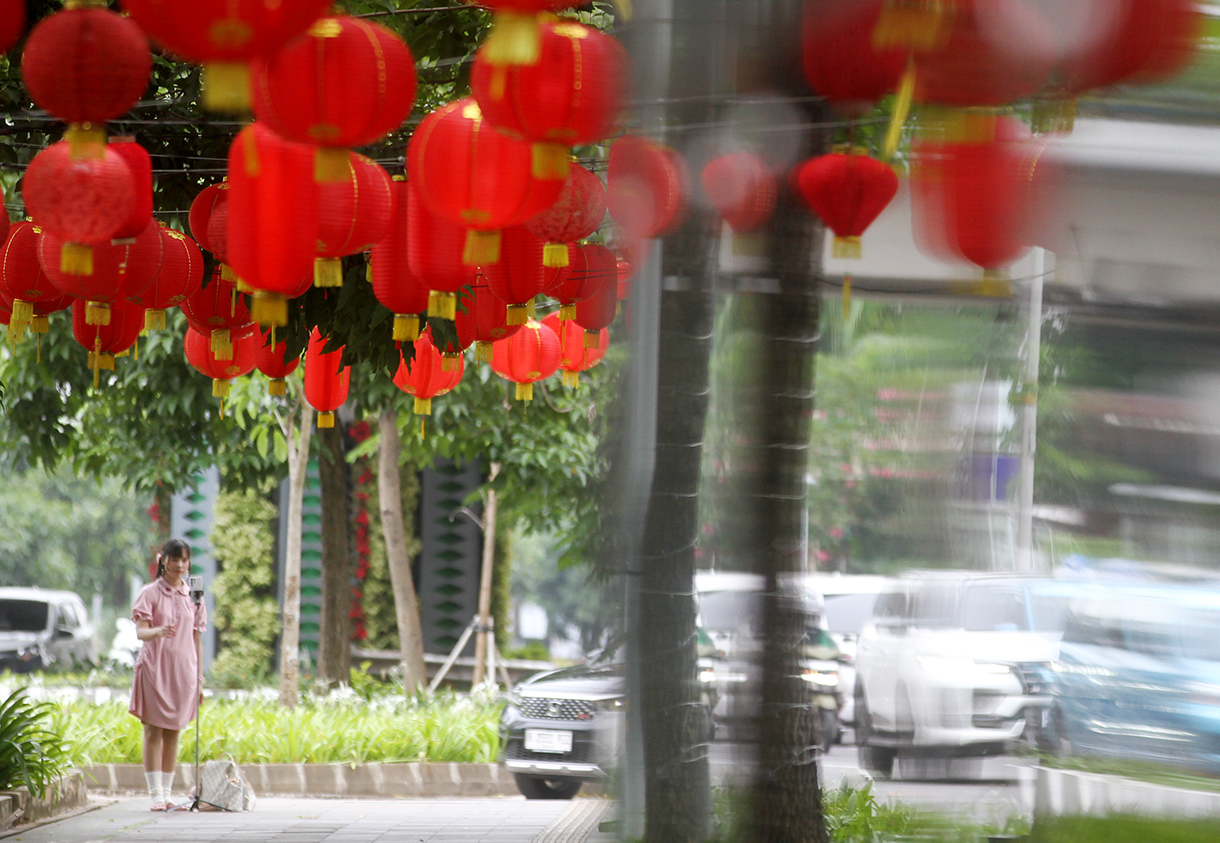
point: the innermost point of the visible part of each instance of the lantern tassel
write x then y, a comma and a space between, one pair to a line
550, 160
93, 358
220, 388
592, 339
327, 272
518, 314
85, 141
449, 361
911, 23
525, 392
555, 255
221, 344
269, 309
226, 87
530, 311
331, 164
326, 420
442, 304
482, 352
406, 326
154, 320
1057, 116
76, 259
567, 312
38, 348
846, 297
847, 247
514, 39
277, 387
97, 313
423, 406
571, 379
40, 324
23, 312
482, 248
902, 108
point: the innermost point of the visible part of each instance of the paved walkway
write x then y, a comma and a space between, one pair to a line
288, 820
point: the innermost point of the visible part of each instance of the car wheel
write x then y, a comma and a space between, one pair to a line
877, 760
537, 787
1060, 741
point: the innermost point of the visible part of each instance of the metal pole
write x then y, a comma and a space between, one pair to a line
1029, 417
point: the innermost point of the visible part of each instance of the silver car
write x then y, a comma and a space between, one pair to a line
44, 628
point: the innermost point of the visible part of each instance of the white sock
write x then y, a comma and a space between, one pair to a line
154, 786
167, 784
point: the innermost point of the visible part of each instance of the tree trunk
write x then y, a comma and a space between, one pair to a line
406, 604
290, 624
335, 636
483, 637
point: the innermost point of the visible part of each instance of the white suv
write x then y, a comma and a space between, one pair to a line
948, 664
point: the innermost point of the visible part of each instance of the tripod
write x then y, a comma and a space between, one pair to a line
197, 599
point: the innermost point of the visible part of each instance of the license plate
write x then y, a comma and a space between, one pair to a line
548, 740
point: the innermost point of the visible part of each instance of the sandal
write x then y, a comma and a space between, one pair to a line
157, 806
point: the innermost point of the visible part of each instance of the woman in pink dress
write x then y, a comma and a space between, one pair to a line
166, 690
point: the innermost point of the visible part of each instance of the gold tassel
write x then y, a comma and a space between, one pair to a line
482, 248
269, 309
106, 361
85, 141
327, 272
222, 408
550, 161
277, 387
37, 348
220, 388
442, 304
530, 311
227, 274
514, 39
919, 24
846, 296
1055, 116
253, 167
499, 81
482, 351
567, 312
592, 339
93, 358
423, 406
154, 320
221, 344
135, 351
331, 164
624, 9
40, 324
449, 361
555, 255
23, 312
847, 247
76, 259
97, 313
326, 420
571, 379
525, 392
406, 326
902, 109
226, 87
518, 314
421, 428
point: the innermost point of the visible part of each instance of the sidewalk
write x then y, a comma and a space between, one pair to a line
295, 820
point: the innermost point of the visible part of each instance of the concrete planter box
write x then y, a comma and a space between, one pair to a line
1065, 792
18, 806
414, 779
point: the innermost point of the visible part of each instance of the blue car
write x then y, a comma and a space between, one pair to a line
1138, 676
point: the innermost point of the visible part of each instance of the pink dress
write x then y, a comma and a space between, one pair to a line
163, 692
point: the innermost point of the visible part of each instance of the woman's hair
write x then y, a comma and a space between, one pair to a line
172, 549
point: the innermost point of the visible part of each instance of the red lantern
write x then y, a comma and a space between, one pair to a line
223, 36
352, 216
202, 208
326, 379
840, 60
576, 214
514, 36
120, 269
742, 188
848, 190
598, 310
200, 354
270, 359
520, 275
575, 354
528, 356
22, 280
472, 175
86, 202
593, 266
645, 187
623, 279
572, 95
181, 275
436, 255
5, 222
103, 342
1138, 41
273, 219
140, 165
347, 83
426, 376
485, 320
86, 66
394, 285
12, 23
220, 311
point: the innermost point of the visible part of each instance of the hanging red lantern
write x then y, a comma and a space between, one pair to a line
645, 187
273, 219
742, 189
223, 36
528, 356
326, 380
104, 342
271, 358
200, 354
12, 23
593, 267
519, 276
84, 201
352, 216
626, 271
120, 269
219, 311
395, 286
426, 375
598, 310
202, 208
180, 275
848, 190
474, 176
1134, 41
86, 65
5, 223
840, 60
514, 36
571, 96
575, 355
139, 163
576, 214
347, 83
436, 255
22, 280
485, 321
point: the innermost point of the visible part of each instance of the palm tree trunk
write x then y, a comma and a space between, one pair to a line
335, 636
290, 628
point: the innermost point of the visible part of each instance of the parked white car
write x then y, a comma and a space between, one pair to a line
43, 629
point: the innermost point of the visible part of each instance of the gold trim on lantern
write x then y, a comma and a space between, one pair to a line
406, 326
327, 272
549, 160
482, 247
97, 313
221, 344
555, 255
571, 379
517, 314
482, 351
85, 141
269, 309
442, 304
226, 87
514, 39
848, 248
525, 392
76, 259
326, 420
423, 406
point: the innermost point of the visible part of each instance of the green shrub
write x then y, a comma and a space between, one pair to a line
32, 753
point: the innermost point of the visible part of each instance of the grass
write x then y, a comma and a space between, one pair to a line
1145, 771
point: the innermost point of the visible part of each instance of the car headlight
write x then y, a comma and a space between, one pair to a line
617, 704
822, 678
958, 664
707, 675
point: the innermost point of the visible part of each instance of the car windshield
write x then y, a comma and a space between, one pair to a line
23, 615
1007, 608
847, 613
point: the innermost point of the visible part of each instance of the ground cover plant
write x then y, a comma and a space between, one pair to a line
32, 751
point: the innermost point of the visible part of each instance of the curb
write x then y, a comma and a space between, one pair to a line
18, 806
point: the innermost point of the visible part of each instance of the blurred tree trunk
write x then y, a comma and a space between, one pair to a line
334, 645
298, 431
